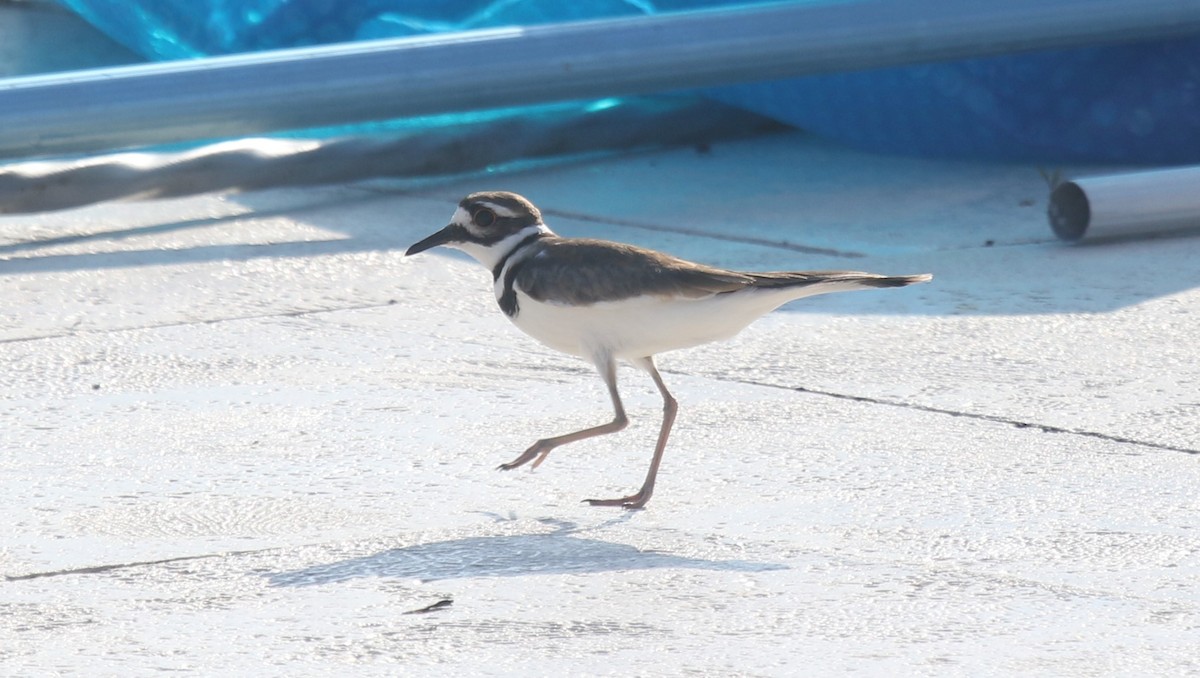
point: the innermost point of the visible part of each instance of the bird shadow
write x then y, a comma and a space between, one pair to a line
561, 551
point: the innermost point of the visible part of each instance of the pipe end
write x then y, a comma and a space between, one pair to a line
1069, 211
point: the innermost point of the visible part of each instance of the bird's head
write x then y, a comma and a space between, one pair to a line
487, 226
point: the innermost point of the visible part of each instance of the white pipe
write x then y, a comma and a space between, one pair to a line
1140, 203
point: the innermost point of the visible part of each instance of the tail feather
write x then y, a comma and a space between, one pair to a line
841, 280
896, 280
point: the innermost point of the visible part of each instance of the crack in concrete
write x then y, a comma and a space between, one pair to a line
744, 239
994, 418
1045, 428
98, 569
871, 400
202, 321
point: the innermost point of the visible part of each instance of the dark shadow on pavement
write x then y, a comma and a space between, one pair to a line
559, 552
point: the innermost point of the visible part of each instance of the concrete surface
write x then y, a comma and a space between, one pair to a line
243, 435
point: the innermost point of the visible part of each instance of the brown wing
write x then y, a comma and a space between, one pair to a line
579, 272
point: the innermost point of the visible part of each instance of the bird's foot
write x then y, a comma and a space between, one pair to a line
536, 452
632, 502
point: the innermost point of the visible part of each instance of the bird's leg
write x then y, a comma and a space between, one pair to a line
670, 407
542, 448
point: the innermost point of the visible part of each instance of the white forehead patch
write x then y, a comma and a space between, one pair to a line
461, 217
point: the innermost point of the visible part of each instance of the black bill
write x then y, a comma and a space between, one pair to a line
452, 233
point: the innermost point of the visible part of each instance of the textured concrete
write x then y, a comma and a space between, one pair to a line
244, 435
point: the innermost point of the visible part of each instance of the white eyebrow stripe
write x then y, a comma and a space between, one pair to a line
500, 210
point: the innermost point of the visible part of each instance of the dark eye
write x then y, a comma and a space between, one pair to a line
483, 217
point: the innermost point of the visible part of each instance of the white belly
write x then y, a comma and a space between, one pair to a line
644, 326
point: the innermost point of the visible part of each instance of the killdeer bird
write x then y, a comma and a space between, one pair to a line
607, 301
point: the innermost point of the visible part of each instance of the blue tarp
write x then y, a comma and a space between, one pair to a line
1132, 103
